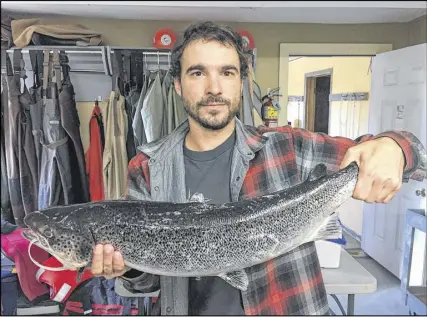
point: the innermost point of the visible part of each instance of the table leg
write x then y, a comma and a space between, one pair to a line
350, 305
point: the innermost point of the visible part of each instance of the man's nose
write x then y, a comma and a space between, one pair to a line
213, 86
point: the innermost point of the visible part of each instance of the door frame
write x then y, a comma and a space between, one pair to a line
313, 75
317, 49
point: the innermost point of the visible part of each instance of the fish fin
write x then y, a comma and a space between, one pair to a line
198, 197
317, 172
237, 279
331, 229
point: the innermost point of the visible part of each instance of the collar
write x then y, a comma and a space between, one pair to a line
248, 141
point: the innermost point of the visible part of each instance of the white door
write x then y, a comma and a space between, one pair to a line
398, 102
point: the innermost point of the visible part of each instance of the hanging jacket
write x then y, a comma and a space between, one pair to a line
152, 110
94, 156
114, 158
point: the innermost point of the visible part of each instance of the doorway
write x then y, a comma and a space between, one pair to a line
317, 106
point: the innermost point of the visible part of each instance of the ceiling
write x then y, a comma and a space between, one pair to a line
227, 11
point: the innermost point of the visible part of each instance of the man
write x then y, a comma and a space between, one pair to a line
213, 153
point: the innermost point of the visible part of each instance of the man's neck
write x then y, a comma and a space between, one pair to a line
202, 139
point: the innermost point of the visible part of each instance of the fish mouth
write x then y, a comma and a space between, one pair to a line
29, 234
34, 238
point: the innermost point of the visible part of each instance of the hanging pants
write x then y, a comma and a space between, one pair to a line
55, 177
71, 124
28, 162
36, 107
13, 143
36, 114
6, 209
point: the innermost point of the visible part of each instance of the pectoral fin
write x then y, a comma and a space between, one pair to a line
331, 229
318, 172
81, 271
237, 279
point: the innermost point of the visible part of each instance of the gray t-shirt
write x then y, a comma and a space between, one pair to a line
208, 173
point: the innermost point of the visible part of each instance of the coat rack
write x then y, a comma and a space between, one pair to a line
70, 51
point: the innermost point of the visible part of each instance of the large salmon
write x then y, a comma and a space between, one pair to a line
197, 238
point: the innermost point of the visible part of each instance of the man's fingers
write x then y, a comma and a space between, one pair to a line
364, 183
389, 197
98, 260
351, 155
108, 259
376, 192
118, 263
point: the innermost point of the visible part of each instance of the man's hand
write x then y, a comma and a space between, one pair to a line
106, 262
381, 163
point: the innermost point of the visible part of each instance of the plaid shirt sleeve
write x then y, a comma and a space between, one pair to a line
313, 148
138, 188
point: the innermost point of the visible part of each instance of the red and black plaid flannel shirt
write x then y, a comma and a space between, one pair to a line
291, 284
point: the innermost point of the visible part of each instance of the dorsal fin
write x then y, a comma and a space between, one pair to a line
318, 172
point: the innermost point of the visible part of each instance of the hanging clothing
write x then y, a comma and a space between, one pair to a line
13, 140
36, 106
6, 208
55, 180
167, 83
137, 123
71, 124
115, 159
28, 159
152, 110
94, 156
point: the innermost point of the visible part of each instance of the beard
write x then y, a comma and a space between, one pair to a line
214, 119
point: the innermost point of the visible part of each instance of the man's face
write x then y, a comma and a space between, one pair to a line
210, 84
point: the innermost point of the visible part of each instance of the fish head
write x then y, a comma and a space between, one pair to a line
68, 241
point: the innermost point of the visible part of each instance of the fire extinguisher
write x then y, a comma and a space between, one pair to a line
270, 108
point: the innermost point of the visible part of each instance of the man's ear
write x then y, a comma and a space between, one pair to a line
177, 84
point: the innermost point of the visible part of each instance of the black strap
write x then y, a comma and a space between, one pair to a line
40, 65
137, 69
63, 58
118, 72
17, 56
46, 74
5, 60
35, 67
127, 75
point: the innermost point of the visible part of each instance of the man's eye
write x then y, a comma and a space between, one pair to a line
227, 73
197, 73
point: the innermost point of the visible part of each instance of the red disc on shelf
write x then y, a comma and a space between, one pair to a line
164, 38
248, 40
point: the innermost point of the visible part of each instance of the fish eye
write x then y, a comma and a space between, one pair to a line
48, 233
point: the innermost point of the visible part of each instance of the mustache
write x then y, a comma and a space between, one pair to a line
213, 99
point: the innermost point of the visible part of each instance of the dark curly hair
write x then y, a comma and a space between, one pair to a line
211, 32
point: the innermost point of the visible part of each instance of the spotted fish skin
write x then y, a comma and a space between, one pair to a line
195, 238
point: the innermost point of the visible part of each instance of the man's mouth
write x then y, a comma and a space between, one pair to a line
214, 105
